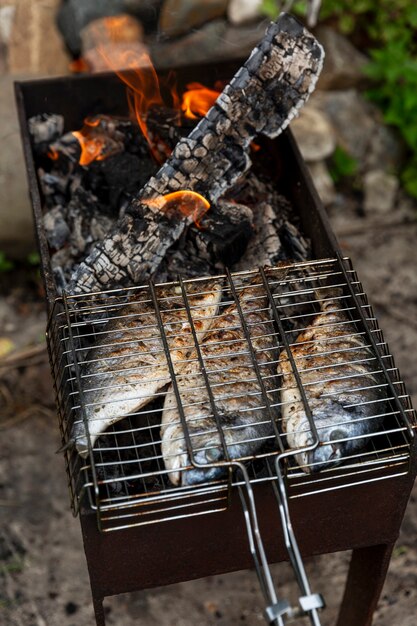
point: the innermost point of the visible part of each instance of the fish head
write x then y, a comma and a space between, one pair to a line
332, 448
209, 457
207, 452
241, 438
341, 433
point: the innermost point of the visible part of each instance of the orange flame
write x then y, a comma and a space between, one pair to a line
95, 144
198, 100
91, 147
188, 203
143, 86
131, 63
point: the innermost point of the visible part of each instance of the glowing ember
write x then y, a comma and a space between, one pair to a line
53, 154
92, 121
91, 147
95, 144
79, 66
197, 100
188, 203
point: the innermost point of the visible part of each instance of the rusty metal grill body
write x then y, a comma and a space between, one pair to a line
122, 489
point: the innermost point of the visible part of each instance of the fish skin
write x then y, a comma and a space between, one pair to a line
131, 341
333, 385
229, 374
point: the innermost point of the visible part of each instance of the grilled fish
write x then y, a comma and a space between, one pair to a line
343, 387
237, 394
126, 368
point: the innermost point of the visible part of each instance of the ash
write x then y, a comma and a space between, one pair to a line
251, 225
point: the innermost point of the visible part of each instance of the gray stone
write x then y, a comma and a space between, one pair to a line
16, 224
116, 56
381, 191
215, 41
360, 129
179, 17
123, 29
386, 148
56, 228
202, 42
314, 134
74, 15
352, 119
241, 11
343, 64
323, 182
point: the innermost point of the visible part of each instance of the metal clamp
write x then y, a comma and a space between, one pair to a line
277, 610
311, 602
308, 603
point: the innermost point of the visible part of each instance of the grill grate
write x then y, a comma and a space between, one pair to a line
102, 346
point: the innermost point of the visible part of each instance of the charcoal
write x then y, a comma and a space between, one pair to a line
54, 186
217, 242
45, 128
275, 238
61, 281
166, 127
295, 246
86, 221
265, 247
56, 228
62, 262
262, 98
64, 146
123, 130
118, 177
225, 232
99, 226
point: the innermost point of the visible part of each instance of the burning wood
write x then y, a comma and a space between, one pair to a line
262, 98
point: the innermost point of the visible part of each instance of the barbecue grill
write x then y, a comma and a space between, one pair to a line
129, 508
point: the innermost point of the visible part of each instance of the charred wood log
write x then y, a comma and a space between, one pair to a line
262, 98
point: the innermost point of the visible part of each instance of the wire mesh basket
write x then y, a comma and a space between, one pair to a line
207, 358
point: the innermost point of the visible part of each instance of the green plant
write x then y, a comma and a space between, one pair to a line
5, 263
342, 165
393, 68
33, 258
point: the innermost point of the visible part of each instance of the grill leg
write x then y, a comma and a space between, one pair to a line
367, 572
99, 611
